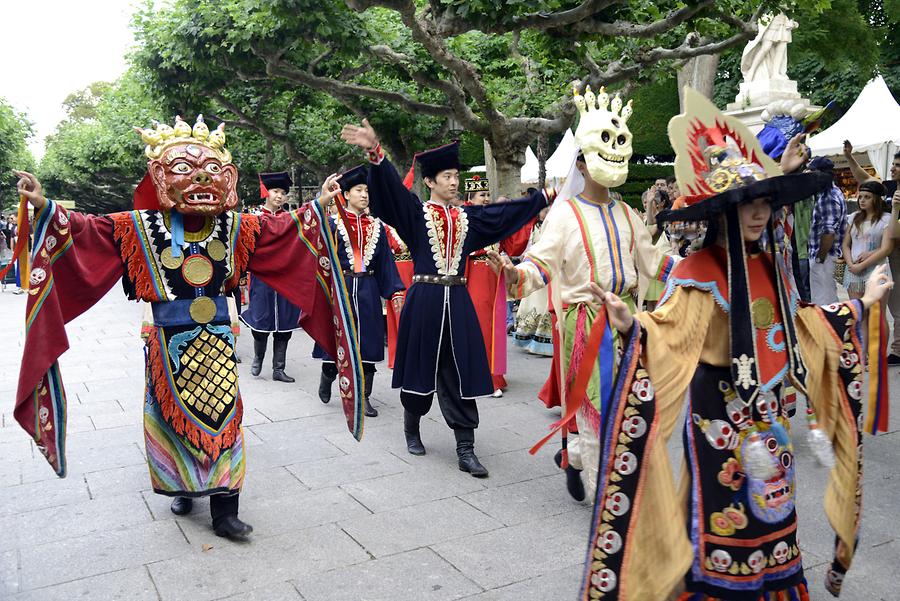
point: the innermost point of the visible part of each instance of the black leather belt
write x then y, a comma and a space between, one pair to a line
349, 273
441, 280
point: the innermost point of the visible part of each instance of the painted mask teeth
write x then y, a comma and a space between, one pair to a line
610, 158
201, 197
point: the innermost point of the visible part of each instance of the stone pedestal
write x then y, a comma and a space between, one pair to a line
753, 98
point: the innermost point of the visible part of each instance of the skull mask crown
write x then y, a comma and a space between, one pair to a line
603, 135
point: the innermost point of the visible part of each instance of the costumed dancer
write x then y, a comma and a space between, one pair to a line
181, 250
368, 267
269, 312
404, 264
588, 237
439, 343
487, 292
534, 321
730, 332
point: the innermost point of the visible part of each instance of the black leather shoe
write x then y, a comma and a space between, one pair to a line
468, 462
182, 505
411, 432
370, 410
465, 451
259, 353
232, 528
573, 478
278, 375
325, 382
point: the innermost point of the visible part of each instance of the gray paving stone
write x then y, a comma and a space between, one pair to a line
519, 466
287, 451
349, 468
39, 495
417, 526
74, 558
399, 490
9, 573
269, 516
72, 520
559, 584
414, 576
200, 575
282, 591
132, 584
525, 501
118, 481
500, 557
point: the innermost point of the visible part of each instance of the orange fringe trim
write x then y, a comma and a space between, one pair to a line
131, 250
246, 244
174, 415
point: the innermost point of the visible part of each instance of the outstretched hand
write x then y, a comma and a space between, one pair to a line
29, 187
848, 148
877, 286
796, 154
360, 135
618, 312
503, 263
330, 189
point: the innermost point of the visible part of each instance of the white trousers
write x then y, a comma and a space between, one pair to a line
822, 285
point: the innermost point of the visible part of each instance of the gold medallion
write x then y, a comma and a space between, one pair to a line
169, 261
216, 250
203, 309
197, 270
763, 313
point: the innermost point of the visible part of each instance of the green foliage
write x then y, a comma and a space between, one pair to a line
654, 105
15, 129
94, 157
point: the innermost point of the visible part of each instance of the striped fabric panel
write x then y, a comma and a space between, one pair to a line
177, 467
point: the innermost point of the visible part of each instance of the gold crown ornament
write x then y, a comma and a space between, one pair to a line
603, 135
161, 137
476, 183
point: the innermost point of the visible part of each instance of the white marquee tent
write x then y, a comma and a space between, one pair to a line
557, 166
872, 124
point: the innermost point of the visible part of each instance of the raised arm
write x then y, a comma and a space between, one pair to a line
492, 223
859, 174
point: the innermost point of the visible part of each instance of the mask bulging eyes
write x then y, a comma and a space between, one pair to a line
181, 168
605, 137
621, 140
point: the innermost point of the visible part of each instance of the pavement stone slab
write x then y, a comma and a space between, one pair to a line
9, 573
132, 584
281, 591
553, 585
110, 551
400, 490
237, 568
418, 575
417, 526
505, 556
349, 468
40, 495
526, 501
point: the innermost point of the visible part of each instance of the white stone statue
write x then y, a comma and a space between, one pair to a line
765, 58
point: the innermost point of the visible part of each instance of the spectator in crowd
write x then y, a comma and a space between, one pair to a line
868, 241
825, 236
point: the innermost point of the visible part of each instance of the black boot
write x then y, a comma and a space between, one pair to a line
182, 505
369, 372
279, 352
411, 431
329, 373
465, 451
224, 511
573, 478
259, 353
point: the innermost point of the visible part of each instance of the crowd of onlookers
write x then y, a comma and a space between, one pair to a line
835, 240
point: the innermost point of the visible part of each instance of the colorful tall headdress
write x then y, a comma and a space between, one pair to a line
476, 183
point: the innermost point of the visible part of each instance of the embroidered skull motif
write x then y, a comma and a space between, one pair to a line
611, 542
603, 136
780, 552
604, 580
618, 504
756, 561
642, 389
626, 463
721, 560
634, 426
773, 500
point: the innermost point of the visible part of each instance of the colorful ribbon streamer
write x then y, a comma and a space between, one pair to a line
20, 252
879, 397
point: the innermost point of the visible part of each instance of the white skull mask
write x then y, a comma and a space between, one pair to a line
603, 136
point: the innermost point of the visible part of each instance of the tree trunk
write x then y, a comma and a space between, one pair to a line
504, 171
699, 73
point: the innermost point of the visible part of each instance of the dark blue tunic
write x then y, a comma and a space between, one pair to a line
429, 306
366, 291
268, 311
